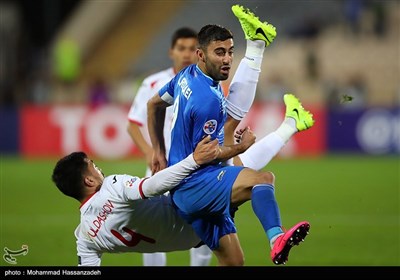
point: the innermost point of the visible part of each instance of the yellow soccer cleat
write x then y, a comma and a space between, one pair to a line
253, 28
294, 109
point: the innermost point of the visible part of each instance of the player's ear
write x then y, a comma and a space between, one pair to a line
90, 181
200, 55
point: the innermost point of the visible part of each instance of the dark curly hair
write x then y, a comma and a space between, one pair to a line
213, 32
183, 33
68, 174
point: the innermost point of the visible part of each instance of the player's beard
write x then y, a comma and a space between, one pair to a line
215, 71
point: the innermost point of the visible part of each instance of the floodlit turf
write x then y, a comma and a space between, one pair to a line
352, 203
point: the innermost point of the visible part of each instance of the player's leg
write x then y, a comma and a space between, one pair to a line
243, 86
242, 89
200, 256
218, 232
259, 187
296, 119
229, 252
154, 259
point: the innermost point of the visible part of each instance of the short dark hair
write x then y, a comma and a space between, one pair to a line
68, 174
183, 32
213, 32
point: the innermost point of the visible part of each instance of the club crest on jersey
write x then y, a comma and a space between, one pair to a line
210, 126
130, 182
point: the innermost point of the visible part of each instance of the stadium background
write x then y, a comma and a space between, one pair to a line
69, 73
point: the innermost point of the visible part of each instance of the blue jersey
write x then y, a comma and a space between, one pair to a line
199, 110
202, 198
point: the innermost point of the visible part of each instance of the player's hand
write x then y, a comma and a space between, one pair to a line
247, 137
159, 162
206, 150
238, 135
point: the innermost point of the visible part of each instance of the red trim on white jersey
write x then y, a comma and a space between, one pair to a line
89, 197
141, 188
136, 122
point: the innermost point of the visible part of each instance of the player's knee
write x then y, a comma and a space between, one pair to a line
267, 177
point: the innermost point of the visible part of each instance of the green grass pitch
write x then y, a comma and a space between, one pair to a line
352, 203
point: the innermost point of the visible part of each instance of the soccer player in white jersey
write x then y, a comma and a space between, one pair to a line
206, 197
182, 53
123, 213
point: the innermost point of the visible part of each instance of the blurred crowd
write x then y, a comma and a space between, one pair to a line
354, 59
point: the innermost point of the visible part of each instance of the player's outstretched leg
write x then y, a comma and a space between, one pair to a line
285, 242
242, 89
264, 150
253, 28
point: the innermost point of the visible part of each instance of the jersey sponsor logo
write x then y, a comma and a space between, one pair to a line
186, 90
210, 126
130, 182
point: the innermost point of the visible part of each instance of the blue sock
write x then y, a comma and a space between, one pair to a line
266, 209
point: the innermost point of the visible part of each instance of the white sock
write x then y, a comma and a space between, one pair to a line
261, 152
200, 256
287, 129
254, 53
154, 259
242, 90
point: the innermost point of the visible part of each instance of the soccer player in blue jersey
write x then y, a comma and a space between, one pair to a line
206, 197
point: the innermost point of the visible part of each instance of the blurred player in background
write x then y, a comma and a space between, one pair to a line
206, 197
182, 52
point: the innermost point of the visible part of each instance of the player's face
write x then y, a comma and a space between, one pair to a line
183, 53
95, 172
218, 59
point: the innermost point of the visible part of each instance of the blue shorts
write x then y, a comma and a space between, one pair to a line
203, 200
211, 229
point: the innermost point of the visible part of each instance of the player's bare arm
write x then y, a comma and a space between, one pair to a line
155, 119
229, 131
206, 151
248, 138
137, 137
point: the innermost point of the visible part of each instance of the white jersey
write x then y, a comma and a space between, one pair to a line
121, 218
138, 110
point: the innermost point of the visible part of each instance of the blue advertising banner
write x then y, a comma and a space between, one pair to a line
373, 130
9, 127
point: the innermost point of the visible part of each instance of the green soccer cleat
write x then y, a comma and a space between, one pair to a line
253, 28
294, 109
